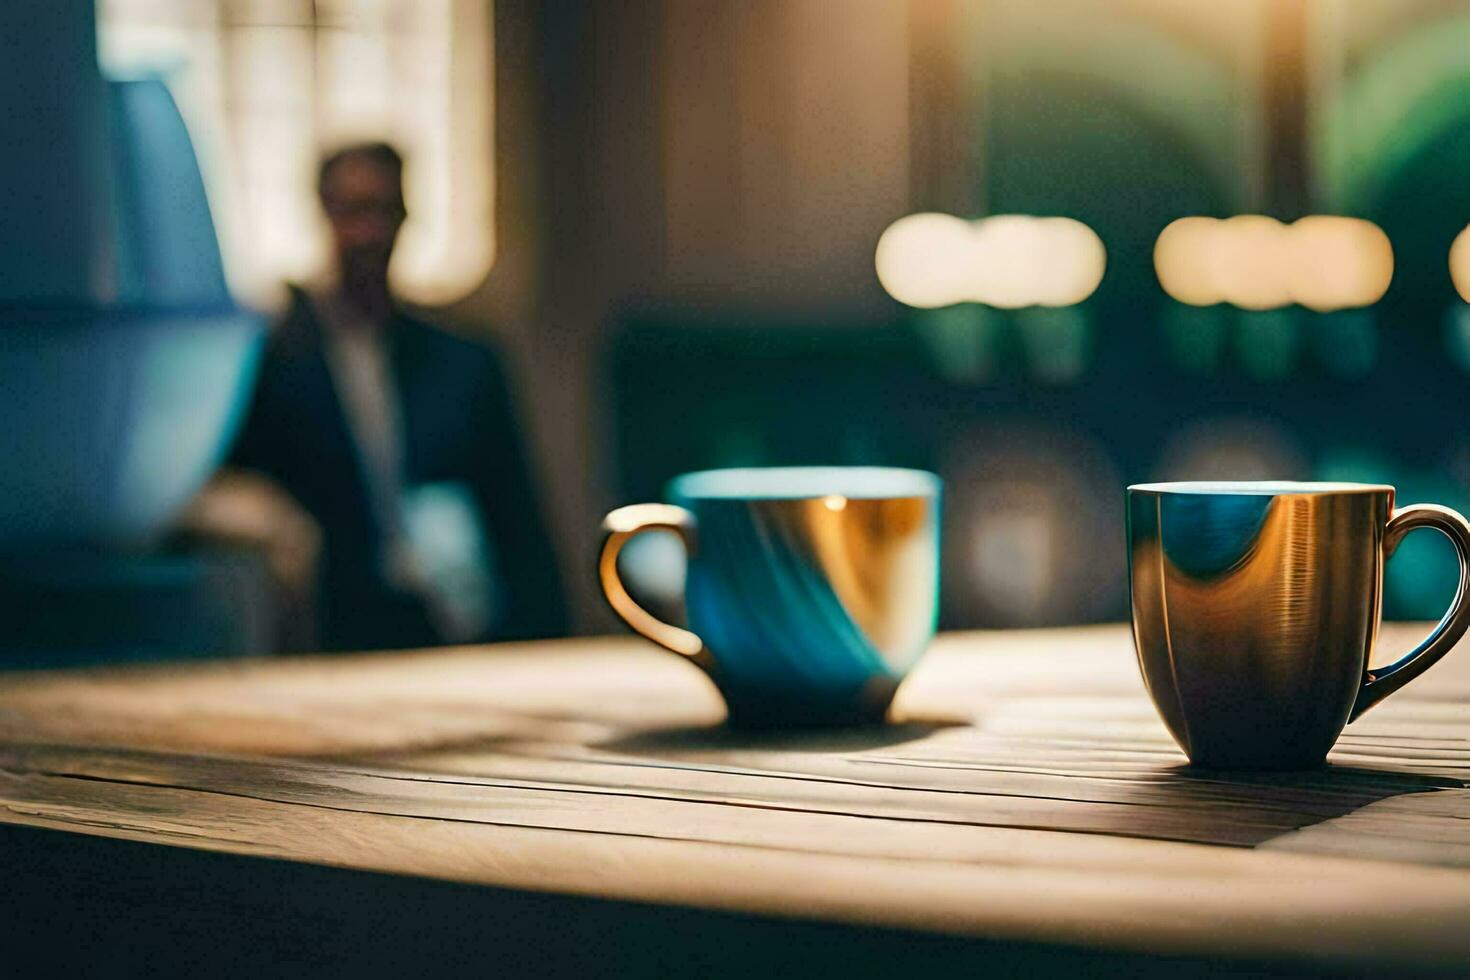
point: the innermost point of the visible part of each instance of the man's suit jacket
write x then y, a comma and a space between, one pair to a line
458, 424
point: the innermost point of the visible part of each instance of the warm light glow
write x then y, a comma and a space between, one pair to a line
922, 259
932, 260
1339, 263
1249, 259
1323, 262
266, 86
1179, 260
835, 503
1460, 264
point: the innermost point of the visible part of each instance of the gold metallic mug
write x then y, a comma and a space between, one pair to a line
1256, 607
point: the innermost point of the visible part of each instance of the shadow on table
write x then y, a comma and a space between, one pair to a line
722, 738
1352, 782
576, 730
1176, 803
1251, 808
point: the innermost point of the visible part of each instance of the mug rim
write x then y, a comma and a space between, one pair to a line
805, 483
1260, 488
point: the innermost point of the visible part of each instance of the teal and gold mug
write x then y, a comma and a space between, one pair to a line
811, 591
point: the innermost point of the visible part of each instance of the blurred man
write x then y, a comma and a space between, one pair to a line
401, 441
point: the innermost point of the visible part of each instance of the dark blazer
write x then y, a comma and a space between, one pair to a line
458, 425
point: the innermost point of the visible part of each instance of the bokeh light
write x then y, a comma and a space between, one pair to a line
1457, 335
1031, 541
1231, 447
1322, 262
964, 343
932, 260
922, 259
1345, 342
1197, 336
1339, 263
1179, 260
1460, 263
1268, 342
1056, 343
1249, 259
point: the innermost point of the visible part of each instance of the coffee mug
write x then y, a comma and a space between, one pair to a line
810, 593
1256, 607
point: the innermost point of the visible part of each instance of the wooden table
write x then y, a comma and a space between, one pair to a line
565, 807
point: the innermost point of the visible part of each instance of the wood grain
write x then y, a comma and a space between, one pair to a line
1025, 792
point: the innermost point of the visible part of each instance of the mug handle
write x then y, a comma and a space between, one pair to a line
1379, 684
618, 528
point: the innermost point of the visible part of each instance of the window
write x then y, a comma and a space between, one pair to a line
267, 85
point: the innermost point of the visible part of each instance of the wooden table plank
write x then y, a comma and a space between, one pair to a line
1151, 897
1028, 794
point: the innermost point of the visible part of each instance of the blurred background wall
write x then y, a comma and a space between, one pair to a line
674, 219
